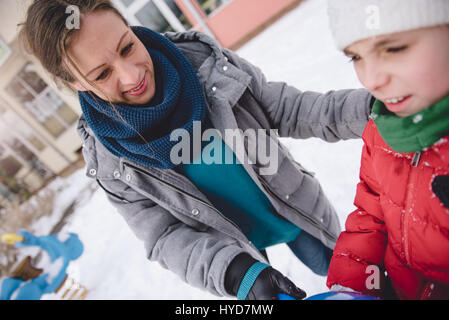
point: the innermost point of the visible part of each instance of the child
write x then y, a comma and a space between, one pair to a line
399, 233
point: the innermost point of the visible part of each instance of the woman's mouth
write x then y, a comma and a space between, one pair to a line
141, 87
397, 104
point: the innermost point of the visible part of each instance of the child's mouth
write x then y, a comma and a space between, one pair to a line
397, 104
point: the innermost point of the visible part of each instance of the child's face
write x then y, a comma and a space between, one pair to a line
407, 71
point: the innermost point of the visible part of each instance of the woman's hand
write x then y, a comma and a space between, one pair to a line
270, 283
265, 285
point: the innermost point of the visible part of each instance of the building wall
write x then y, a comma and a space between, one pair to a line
11, 13
240, 18
236, 21
59, 153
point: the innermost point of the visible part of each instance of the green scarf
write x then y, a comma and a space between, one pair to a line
413, 133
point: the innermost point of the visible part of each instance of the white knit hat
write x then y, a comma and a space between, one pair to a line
353, 20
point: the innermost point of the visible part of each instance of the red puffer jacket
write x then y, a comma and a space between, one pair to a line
400, 225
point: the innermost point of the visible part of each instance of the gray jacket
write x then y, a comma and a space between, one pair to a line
179, 226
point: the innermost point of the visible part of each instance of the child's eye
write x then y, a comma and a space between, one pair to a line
102, 75
354, 58
127, 49
396, 49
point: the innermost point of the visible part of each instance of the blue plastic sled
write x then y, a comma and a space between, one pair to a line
332, 295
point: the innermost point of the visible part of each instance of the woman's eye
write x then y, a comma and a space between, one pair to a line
127, 49
103, 75
396, 49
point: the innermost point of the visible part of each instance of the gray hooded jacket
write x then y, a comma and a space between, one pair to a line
179, 226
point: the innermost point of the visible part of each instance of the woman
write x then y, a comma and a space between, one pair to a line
206, 221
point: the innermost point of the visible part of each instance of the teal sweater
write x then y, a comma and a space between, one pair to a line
232, 191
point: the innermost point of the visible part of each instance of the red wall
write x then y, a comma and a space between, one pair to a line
238, 18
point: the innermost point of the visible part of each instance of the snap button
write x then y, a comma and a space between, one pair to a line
195, 212
287, 196
128, 177
116, 174
92, 172
214, 89
225, 68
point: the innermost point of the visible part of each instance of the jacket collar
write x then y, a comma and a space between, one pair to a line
221, 79
415, 132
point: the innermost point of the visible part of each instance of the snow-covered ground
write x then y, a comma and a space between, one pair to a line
298, 49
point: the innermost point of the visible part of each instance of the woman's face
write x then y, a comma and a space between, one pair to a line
111, 57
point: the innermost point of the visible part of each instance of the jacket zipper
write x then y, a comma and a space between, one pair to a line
185, 193
409, 206
416, 158
310, 220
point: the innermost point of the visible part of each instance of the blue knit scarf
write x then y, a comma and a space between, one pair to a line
179, 100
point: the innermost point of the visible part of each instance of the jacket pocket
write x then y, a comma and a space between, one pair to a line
113, 195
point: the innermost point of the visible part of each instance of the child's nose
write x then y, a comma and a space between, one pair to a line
375, 77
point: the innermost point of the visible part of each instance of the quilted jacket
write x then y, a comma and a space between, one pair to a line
400, 226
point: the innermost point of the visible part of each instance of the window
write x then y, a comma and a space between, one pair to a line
178, 13
210, 6
12, 124
158, 15
149, 16
19, 144
29, 157
17, 155
41, 101
9, 167
127, 2
5, 51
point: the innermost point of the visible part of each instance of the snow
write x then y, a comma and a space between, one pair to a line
417, 118
299, 50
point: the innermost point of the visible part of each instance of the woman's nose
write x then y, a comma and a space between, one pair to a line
128, 74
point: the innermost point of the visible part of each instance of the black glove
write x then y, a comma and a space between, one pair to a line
267, 285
